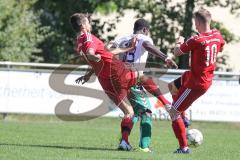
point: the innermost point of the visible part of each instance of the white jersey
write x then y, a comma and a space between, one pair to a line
137, 57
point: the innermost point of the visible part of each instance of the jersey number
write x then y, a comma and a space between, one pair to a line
130, 57
211, 54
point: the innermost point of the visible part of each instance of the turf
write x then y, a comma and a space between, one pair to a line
51, 139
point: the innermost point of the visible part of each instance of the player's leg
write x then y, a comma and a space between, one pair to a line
130, 77
142, 108
185, 98
122, 103
120, 79
141, 105
127, 123
151, 87
145, 132
126, 107
119, 99
125, 78
174, 88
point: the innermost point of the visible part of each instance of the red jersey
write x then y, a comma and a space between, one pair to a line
114, 77
204, 49
85, 41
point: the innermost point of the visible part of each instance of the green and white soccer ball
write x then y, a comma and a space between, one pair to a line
195, 137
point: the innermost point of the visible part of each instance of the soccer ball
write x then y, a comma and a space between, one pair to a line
195, 137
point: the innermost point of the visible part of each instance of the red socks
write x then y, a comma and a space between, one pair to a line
126, 127
152, 88
180, 132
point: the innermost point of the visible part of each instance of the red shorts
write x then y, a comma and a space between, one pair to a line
185, 97
117, 85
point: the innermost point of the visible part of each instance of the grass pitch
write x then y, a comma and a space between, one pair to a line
46, 138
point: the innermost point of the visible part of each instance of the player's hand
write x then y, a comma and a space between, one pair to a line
170, 63
133, 42
82, 79
180, 40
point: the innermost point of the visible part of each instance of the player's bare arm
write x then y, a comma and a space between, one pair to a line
90, 56
117, 50
155, 51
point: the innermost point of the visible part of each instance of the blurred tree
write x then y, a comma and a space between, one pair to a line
20, 31
187, 31
187, 23
169, 19
26, 31
59, 48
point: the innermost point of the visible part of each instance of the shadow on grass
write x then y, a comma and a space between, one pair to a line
59, 147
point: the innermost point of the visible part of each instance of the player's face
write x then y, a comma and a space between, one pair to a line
197, 24
86, 25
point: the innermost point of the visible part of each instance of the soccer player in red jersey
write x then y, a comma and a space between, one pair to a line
113, 76
204, 48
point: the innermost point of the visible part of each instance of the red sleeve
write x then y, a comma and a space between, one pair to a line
87, 43
188, 45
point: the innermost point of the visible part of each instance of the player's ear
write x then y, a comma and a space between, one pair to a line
145, 30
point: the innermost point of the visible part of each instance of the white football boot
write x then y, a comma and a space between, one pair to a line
124, 146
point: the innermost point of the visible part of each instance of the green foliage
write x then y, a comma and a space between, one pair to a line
107, 8
234, 5
59, 48
39, 30
169, 19
19, 31
227, 35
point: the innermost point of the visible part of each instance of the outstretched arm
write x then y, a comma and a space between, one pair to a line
85, 78
155, 51
117, 50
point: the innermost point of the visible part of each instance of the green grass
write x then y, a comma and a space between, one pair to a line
30, 138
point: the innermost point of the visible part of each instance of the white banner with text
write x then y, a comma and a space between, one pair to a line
30, 92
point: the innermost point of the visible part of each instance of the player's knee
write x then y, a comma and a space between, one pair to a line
146, 118
175, 117
129, 113
172, 88
174, 114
